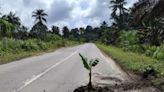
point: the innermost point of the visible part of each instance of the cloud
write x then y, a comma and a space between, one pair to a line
60, 10
130, 3
72, 13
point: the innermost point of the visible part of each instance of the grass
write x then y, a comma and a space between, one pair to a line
132, 61
18, 49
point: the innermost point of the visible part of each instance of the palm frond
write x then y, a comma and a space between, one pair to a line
44, 14
44, 20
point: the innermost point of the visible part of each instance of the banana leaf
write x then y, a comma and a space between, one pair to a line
85, 63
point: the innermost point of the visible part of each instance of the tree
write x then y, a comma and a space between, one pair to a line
148, 16
55, 30
109, 35
158, 9
88, 29
81, 30
153, 32
39, 30
12, 18
119, 19
138, 13
66, 32
87, 33
22, 33
89, 64
104, 25
39, 16
75, 33
6, 28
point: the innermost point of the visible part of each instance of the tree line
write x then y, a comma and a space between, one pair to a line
147, 22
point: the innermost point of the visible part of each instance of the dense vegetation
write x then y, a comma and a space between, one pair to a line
134, 62
17, 42
13, 49
138, 29
136, 37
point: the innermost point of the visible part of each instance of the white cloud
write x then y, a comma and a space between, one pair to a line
72, 13
60, 10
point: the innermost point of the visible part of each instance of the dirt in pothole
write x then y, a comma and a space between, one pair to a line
126, 87
117, 85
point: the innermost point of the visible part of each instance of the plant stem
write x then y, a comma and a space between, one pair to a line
90, 79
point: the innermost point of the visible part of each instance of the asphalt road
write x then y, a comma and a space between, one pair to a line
58, 71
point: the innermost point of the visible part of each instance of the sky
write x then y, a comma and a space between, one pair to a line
71, 13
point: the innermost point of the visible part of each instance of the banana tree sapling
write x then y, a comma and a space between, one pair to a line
89, 64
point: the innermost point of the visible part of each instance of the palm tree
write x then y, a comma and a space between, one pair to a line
148, 15
39, 30
40, 15
12, 18
118, 6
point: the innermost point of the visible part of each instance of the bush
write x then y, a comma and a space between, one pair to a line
159, 53
128, 40
30, 45
10, 45
52, 38
13, 49
156, 52
42, 45
1, 46
150, 50
132, 61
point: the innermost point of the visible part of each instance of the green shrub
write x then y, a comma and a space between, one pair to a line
52, 38
159, 53
10, 45
42, 45
128, 41
160, 56
13, 49
132, 61
156, 52
30, 45
150, 50
1, 46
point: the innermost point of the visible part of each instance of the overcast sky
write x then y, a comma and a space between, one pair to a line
72, 13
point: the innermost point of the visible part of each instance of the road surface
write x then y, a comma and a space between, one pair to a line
58, 71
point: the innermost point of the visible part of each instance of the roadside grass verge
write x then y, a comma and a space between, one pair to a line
18, 49
134, 62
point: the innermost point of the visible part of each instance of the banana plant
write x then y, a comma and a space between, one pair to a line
89, 64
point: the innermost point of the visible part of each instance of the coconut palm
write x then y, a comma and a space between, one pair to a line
149, 16
40, 15
12, 18
118, 6
39, 30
